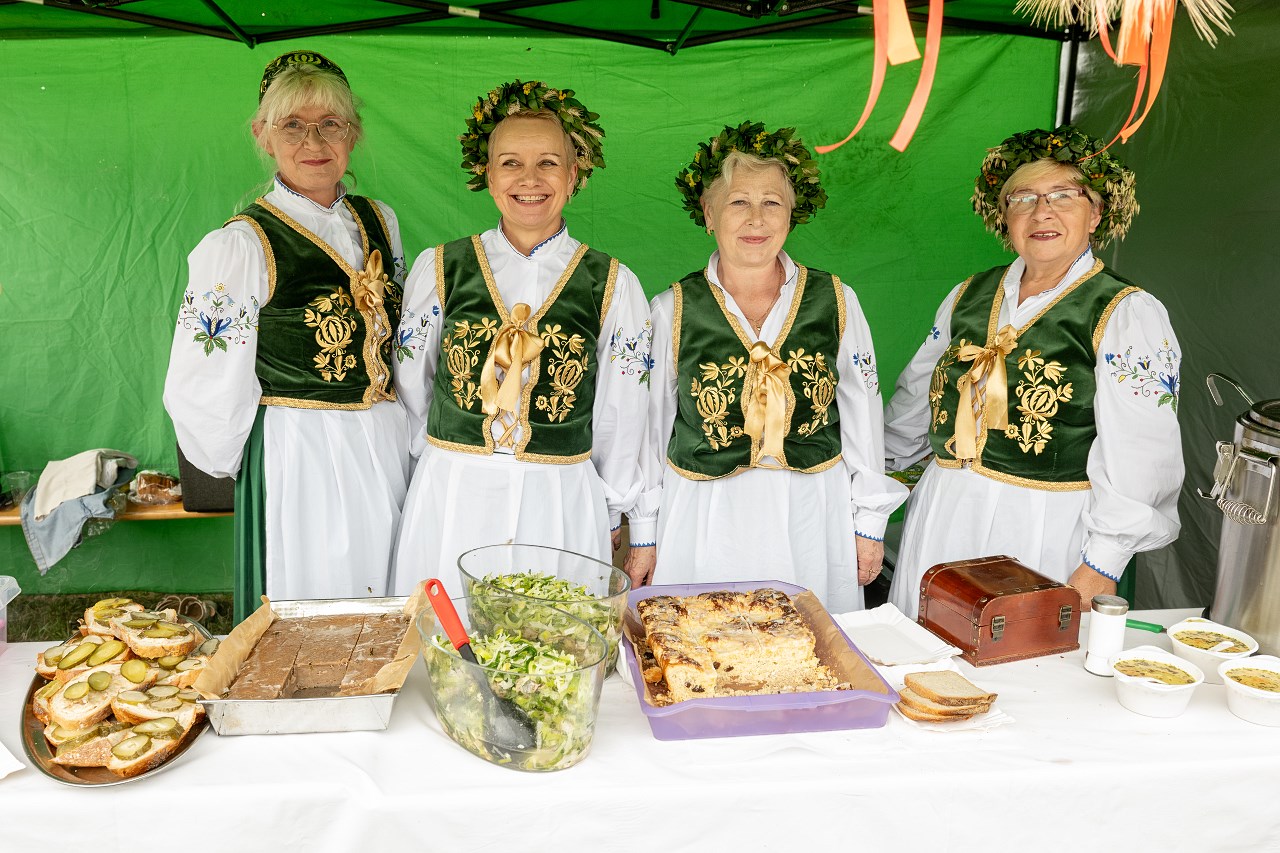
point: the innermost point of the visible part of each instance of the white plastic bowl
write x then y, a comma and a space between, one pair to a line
1208, 661
1251, 703
1153, 698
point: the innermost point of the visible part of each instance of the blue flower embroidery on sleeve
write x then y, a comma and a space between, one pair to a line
217, 322
870, 376
632, 354
1149, 376
935, 333
411, 337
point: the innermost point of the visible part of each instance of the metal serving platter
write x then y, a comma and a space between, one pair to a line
41, 755
314, 714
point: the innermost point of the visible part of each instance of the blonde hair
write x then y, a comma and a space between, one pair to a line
301, 86
1038, 170
714, 194
570, 150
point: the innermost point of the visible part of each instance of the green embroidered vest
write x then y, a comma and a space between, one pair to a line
1050, 379
316, 350
557, 398
714, 369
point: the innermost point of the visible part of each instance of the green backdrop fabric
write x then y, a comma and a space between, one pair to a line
119, 154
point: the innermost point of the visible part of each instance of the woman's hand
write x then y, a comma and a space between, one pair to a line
1089, 583
615, 536
870, 559
639, 565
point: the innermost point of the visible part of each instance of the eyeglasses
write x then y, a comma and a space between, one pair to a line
293, 130
1023, 203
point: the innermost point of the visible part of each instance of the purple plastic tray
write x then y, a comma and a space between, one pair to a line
735, 716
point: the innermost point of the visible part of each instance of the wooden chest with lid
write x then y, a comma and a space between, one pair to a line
997, 610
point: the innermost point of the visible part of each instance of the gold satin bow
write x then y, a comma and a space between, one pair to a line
369, 284
513, 348
766, 409
991, 396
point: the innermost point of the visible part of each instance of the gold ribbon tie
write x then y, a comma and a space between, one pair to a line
766, 408
513, 349
983, 388
369, 285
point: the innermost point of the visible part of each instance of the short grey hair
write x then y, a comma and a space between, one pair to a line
713, 195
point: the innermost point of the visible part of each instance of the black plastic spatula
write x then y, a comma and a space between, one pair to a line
508, 724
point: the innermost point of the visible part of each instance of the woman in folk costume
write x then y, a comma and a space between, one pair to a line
527, 367
280, 373
1047, 389
764, 458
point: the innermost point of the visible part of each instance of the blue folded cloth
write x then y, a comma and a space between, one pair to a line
52, 537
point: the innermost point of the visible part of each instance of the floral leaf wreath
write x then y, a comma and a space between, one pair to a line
751, 138
1072, 147
296, 57
517, 98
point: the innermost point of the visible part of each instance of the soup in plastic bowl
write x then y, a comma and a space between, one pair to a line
582, 587
1253, 688
554, 680
1154, 683
1192, 639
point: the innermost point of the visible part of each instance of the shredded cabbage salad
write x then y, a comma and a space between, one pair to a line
577, 600
546, 683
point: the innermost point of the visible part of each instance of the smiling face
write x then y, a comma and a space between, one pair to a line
311, 167
531, 176
1047, 237
751, 217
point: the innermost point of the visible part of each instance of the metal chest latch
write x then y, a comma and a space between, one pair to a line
1064, 617
997, 627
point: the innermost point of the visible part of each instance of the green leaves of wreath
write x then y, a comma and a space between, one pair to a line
515, 98
1070, 146
750, 137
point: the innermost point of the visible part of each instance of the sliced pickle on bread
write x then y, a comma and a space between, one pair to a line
139, 752
87, 699
135, 670
163, 637
97, 619
162, 700
91, 749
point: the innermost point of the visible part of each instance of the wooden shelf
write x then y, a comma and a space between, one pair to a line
135, 512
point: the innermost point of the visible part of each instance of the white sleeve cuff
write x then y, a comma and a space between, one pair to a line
1105, 558
870, 525
643, 532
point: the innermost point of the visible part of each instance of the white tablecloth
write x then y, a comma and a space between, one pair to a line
1076, 771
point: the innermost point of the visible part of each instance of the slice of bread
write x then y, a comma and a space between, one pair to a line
927, 706
925, 717
946, 687
90, 706
162, 636
98, 617
79, 655
159, 702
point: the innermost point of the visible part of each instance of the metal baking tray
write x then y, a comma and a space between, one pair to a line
315, 714
41, 755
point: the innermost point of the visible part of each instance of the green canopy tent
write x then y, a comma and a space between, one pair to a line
128, 140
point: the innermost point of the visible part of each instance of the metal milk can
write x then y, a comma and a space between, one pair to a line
1246, 487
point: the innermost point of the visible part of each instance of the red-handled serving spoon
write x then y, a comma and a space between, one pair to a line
508, 724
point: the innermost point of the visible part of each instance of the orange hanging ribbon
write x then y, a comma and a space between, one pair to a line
915, 109
1145, 36
1157, 60
879, 63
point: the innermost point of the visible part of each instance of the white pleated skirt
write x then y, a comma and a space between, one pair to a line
334, 483
459, 501
761, 525
955, 514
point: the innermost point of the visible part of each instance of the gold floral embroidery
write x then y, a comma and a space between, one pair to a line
333, 318
819, 386
938, 385
715, 393
1038, 401
566, 368
462, 354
